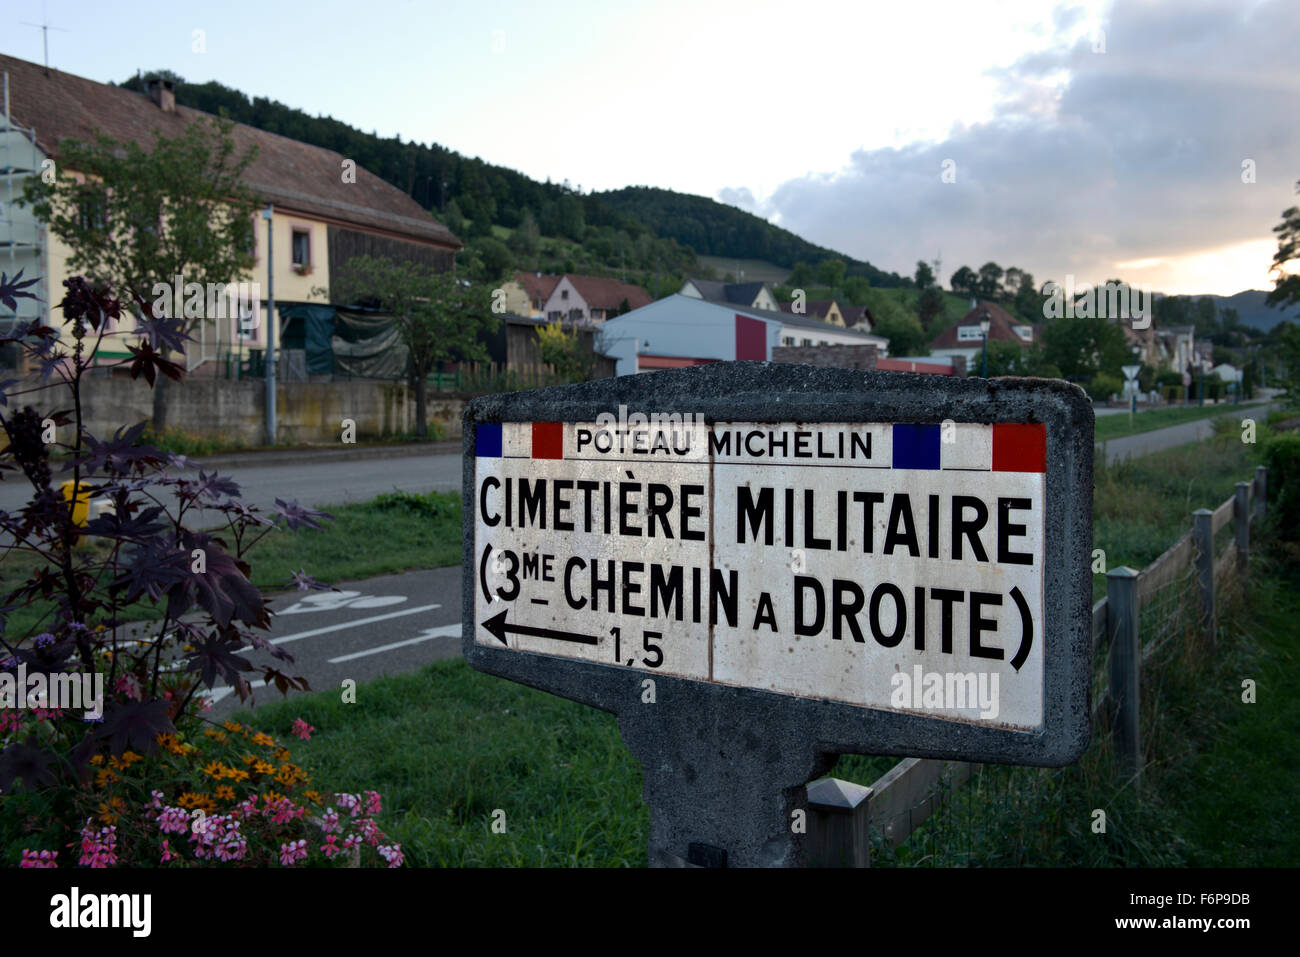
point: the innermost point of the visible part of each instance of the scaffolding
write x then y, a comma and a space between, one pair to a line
22, 243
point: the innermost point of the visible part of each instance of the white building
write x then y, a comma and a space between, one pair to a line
682, 330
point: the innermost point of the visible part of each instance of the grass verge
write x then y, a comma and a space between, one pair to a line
1116, 426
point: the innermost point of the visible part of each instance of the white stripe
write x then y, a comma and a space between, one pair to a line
347, 624
443, 631
218, 693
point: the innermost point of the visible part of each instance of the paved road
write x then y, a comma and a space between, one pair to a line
382, 626
314, 483
1133, 446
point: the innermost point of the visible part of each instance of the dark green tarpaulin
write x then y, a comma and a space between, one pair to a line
359, 345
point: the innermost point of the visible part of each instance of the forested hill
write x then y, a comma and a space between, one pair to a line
716, 229
486, 195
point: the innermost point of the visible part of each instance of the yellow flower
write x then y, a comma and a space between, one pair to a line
313, 796
216, 769
97, 760
249, 759
104, 777
261, 767
234, 727
106, 816
130, 757
270, 797
281, 754
237, 774
265, 740
219, 736
191, 800
225, 792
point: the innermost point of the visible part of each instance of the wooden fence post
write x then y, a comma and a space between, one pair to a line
1125, 667
839, 832
1241, 529
1261, 491
1203, 538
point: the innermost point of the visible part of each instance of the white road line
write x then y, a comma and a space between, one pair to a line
443, 631
348, 624
216, 694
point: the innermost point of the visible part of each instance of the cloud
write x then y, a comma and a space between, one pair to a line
1089, 159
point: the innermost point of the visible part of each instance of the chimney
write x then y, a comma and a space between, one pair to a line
163, 93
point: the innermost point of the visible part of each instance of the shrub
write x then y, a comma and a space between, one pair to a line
57, 765
1103, 386
1282, 456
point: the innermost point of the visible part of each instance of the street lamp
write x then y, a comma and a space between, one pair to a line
984, 334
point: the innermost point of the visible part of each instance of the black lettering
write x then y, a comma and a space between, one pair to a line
900, 512
978, 624
765, 614
560, 505
667, 590
869, 502
809, 512
533, 499
689, 512
800, 628
599, 585
844, 610
727, 594
569, 597
900, 617
946, 597
626, 508
587, 487
661, 503
757, 513
1007, 528
630, 589
491, 520
970, 528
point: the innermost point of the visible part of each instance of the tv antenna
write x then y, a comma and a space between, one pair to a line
45, 29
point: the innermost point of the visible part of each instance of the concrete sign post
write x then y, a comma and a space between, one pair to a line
760, 567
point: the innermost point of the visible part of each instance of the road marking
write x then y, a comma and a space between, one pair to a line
218, 694
347, 624
442, 631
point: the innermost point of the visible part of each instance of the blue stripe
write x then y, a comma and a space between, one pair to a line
487, 440
916, 446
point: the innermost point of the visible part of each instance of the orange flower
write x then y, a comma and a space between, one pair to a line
237, 774
261, 767
281, 754
218, 736
97, 760
249, 759
191, 800
106, 815
265, 740
216, 769
104, 777
225, 792
313, 796
234, 727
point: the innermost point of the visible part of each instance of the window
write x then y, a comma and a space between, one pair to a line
93, 213
1025, 332
807, 342
564, 294
245, 311
969, 334
787, 340
301, 248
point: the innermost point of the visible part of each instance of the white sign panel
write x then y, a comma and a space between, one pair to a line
888, 566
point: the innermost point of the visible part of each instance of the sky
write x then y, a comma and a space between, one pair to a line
1099, 139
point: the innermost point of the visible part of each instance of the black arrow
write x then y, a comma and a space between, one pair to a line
497, 626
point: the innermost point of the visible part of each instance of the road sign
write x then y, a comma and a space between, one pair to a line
791, 563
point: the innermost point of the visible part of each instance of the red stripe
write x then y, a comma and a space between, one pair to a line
548, 440
1019, 447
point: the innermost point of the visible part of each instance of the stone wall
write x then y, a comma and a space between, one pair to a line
306, 412
828, 356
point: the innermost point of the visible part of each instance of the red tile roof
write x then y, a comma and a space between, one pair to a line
537, 286
1001, 326
601, 293
286, 172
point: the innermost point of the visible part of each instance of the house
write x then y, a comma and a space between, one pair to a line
827, 310
966, 338
1177, 346
858, 317
682, 330
592, 299
753, 295
320, 217
527, 292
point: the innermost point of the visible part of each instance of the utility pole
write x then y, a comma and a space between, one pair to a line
270, 324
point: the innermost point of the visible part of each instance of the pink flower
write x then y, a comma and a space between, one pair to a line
168, 854
349, 802
39, 859
293, 852
98, 849
369, 831
392, 854
331, 847
174, 820
283, 811
372, 802
129, 685
302, 729
330, 821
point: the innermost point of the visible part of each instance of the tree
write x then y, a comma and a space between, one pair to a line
526, 240
563, 350
990, 281
440, 317
905, 335
491, 257
965, 282
831, 273
801, 276
930, 306
136, 218
857, 289
1286, 287
924, 275
453, 218
1083, 347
